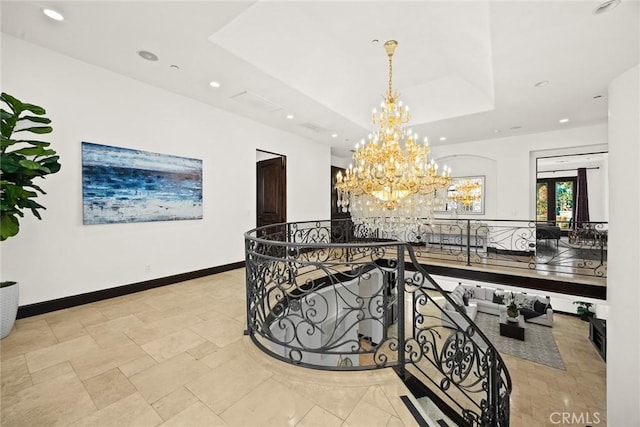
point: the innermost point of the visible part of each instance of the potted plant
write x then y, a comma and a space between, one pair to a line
512, 310
584, 310
22, 160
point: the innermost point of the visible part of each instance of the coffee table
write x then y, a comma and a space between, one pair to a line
513, 330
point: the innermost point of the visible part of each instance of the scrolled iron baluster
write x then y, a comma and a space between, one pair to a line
285, 282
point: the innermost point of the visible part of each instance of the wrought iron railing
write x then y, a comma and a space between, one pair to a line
560, 248
331, 295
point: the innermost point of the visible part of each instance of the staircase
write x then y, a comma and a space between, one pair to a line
318, 299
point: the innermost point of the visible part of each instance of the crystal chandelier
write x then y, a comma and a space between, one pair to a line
393, 183
466, 193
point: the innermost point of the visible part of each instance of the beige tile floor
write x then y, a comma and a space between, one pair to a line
176, 356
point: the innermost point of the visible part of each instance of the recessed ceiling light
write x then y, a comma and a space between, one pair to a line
334, 135
290, 116
214, 83
443, 138
174, 67
374, 41
497, 131
149, 56
563, 120
53, 14
606, 6
542, 83
597, 97
515, 127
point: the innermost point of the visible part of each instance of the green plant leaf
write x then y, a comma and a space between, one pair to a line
9, 226
35, 119
6, 127
29, 164
10, 164
35, 151
37, 188
32, 142
35, 109
26, 194
6, 142
32, 204
12, 102
37, 129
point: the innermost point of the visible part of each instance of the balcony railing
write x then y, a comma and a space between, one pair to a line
331, 295
559, 249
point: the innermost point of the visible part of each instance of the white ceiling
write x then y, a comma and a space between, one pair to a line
466, 68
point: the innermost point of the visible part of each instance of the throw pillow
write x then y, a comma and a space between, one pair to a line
468, 293
459, 290
489, 293
519, 299
498, 299
465, 299
529, 302
478, 293
540, 307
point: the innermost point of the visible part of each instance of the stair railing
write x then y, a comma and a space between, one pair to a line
330, 295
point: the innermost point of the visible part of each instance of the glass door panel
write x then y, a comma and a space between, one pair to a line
555, 200
564, 196
542, 190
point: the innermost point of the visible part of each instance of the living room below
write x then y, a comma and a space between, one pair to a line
560, 302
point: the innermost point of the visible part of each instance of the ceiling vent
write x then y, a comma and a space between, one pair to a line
256, 102
314, 127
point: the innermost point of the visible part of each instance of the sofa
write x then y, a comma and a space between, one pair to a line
474, 299
450, 317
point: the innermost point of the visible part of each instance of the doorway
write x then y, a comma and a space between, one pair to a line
271, 188
556, 190
555, 201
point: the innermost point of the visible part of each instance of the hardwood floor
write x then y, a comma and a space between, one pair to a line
176, 355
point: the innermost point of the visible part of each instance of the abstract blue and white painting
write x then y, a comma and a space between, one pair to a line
125, 185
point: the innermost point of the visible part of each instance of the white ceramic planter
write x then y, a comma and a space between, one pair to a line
9, 296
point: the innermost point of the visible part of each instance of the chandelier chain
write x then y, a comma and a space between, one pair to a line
390, 92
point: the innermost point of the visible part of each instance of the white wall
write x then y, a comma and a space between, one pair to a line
623, 281
59, 257
512, 194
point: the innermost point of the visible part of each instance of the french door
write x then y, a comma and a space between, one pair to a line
555, 201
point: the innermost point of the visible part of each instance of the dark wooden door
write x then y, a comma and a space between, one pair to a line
271, 191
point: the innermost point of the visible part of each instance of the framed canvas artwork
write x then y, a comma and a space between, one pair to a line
126, 185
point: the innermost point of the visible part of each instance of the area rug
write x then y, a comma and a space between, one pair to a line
539, 345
